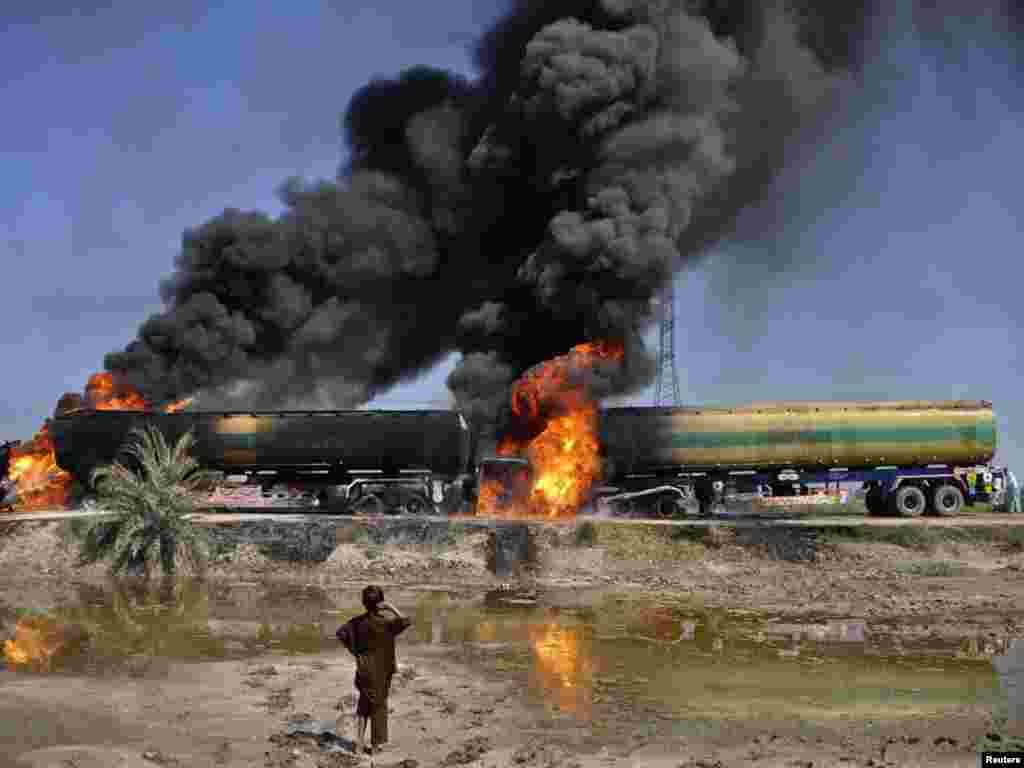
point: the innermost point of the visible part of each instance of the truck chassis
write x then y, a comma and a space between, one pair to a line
899, 491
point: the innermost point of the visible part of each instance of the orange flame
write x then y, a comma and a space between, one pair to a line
36, 640
505, 492
102, 395
178, 405
41, 484
33, 468
489, 497
565, 454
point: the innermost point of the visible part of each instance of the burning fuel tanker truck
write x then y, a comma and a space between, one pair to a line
912, 457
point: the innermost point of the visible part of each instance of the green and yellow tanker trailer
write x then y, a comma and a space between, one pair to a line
914, 457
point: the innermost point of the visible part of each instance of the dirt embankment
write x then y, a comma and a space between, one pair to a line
924, 576
879, 574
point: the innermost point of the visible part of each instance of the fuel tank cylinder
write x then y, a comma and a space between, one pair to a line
805, 434
438, 441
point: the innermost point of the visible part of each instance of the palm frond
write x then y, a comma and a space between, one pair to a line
149, 504
96, 539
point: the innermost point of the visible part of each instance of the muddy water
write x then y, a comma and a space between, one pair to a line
581, 658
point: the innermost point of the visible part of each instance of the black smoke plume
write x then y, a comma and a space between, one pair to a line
544, 204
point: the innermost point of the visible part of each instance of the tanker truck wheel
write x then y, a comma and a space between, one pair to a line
874, 502
370, 504
333, 503
667, 507
947, 500
623, 508
909, 501
417, 505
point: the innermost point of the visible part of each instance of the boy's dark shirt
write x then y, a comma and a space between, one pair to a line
372, 635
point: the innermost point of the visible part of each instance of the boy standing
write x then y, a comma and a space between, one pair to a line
370, 637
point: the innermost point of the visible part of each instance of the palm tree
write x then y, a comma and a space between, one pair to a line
151, 507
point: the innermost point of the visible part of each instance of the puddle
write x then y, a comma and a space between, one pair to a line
582, 661
677, 663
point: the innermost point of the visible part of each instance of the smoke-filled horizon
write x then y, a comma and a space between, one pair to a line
511, 217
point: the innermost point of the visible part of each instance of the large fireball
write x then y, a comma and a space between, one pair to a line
552, 404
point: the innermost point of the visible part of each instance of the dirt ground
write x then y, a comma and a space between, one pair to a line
235, 713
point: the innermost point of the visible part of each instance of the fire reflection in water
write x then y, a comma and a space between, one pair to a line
487, 632
564, 665
37, 639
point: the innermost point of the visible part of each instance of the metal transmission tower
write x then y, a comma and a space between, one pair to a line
666, 390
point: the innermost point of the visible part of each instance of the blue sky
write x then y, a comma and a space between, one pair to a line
895, 272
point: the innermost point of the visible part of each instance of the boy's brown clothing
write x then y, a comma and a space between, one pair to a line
371, 639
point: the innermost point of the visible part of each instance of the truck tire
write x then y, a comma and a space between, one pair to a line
369, 504
909, 501
333, 503
418, 505
875, 502
667, 507
947, 500
624, 508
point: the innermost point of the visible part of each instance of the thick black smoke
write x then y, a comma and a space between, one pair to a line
605, 143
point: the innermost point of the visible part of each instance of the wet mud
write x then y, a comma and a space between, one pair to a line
645, 650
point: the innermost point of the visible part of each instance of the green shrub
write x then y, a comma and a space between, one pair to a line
691, 533
1015, 537
998, 737
586, 534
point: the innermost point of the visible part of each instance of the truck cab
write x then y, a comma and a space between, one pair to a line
984, 484
504, 481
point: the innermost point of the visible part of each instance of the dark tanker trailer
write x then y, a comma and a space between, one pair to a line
913, 457
415, 461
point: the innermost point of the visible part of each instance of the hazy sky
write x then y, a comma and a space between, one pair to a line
899, 235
